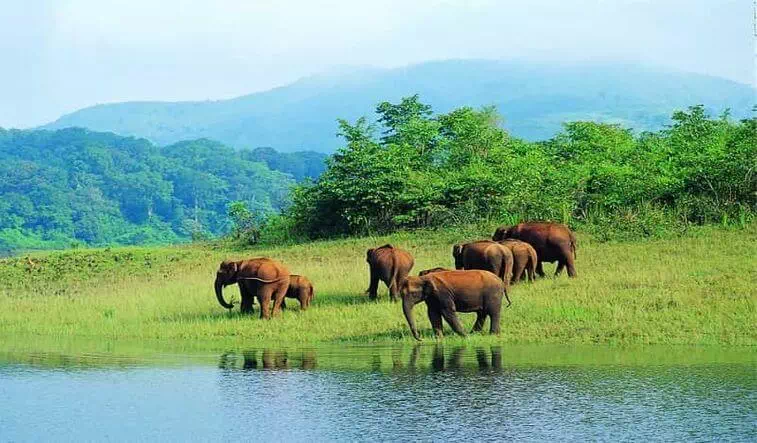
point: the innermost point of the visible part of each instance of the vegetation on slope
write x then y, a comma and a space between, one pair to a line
535, 98
73, 186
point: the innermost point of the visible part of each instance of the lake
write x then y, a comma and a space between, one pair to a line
116, 391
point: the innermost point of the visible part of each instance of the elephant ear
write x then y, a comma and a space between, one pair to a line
435, 288
369, 255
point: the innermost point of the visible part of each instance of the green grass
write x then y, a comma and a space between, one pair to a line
698, 290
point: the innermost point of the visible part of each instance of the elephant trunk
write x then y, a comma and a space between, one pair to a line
219, 295
407, 308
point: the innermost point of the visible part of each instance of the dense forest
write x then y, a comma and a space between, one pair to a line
406, 168
73, 186
412, 168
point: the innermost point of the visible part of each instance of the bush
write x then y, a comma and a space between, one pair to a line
458, 168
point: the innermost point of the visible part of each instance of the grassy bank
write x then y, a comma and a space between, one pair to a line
697, 290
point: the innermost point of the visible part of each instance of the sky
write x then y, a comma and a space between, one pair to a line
58, 56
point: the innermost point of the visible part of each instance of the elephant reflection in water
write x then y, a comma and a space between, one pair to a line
488, 360
269, 359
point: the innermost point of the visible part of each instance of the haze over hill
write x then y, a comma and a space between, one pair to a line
534, 98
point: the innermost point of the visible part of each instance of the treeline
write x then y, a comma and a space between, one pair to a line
413, 169
72, 186
408, 168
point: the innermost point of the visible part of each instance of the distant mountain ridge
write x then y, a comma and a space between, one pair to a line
534, 98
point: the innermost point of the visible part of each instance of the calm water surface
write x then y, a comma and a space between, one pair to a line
425, 393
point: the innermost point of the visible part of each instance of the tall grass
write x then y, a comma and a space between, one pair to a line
699, 289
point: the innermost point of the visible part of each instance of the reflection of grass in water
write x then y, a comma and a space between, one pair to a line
697, 290
79, 354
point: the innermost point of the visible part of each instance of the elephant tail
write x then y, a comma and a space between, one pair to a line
395, 272
312, 293
573, 244
262, 280
507, 270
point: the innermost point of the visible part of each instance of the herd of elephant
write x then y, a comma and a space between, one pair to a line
484, 271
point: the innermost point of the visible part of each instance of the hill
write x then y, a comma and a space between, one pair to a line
534, 98
75, 186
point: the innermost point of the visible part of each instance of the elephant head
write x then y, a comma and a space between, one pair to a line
226, 275
457, 252
504, 232
413, 291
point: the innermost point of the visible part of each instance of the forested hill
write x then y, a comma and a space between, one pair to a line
74, 186
534, 99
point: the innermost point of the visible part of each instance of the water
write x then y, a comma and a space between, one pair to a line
440, 393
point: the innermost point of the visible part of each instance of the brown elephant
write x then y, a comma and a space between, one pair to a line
486, 255
390, 265
300, 288
449, 292
553, 242
263, 278
432, 270
524, 259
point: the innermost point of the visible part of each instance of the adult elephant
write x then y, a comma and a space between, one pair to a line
449, 292
553, 242
390, 265
263, 278
486, 255
524, 259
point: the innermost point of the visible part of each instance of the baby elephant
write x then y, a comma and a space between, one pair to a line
301, 288
449, 292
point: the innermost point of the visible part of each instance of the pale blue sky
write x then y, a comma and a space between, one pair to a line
59, 56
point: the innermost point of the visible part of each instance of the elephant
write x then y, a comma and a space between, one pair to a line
486, 255
300, 288
524, 259
448, 292
553, 242
390, 265
432, 270
263, 278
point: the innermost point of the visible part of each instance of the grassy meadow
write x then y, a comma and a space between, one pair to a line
700, 289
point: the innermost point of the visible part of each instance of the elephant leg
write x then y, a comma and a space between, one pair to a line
279, 293
248, 298
284, 304
560, 267
264, 297
435, 317
246, 305
531, 270
480, 319
451, 317
373, 286
571, 267
394, 290
517, 272
495, 311
540, 269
